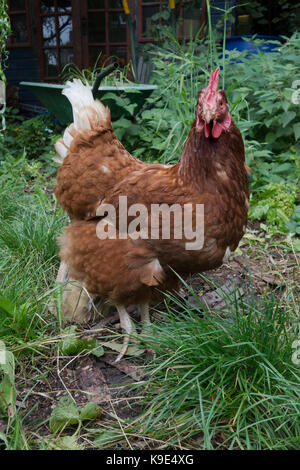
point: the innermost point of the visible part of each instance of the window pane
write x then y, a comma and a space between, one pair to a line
65, 30
148, 12
119, 52
114, 4
49, 29
19, 29
17, 5
190, 27
51, 63
64, 5
117, 28
96, 4
190, 21
96, 27
47, 6
66, 56
97, 54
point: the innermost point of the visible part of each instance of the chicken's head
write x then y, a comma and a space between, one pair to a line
212, 111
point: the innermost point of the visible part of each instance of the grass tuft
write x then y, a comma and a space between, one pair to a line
224, 382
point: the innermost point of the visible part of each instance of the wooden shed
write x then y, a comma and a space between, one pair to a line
48, 34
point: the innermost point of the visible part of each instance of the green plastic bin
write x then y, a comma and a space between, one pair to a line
51, 97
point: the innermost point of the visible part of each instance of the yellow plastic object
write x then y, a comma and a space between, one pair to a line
172, 4
126, 7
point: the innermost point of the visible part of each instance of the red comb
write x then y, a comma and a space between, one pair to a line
214, 80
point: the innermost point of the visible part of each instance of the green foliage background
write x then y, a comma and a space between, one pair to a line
262, 92
4, 33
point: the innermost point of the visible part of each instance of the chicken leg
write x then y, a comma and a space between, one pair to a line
127, 325
145, 317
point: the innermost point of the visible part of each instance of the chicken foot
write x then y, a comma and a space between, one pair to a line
128, 325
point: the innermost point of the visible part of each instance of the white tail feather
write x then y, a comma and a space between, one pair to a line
61, 150
67, 138
83, 105
88, 114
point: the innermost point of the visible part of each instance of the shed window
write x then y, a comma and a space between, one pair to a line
56, 26
107, 33
188, 15
20, 25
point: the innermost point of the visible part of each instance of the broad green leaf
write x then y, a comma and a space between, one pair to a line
131, 351
296, 128
67, 443
90, 411
296, 244
7, 306
73, 344
67, 414
64, 415
7, 383
287, 117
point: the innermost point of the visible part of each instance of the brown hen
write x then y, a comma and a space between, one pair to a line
211, 174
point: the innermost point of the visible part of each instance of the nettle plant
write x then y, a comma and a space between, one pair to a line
266, 92
263, 96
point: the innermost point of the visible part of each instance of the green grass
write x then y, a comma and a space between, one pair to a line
221, 383
30, 221
233, 380
29, 224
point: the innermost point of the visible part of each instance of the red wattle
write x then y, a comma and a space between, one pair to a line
206, 130
217, 129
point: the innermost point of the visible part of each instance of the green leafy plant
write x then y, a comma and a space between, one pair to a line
89, 75
260, 93
277, 203
5, 31
283, 19
73, 344
34, 138
7, 376
67, 414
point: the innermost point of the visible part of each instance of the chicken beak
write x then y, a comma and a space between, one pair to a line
209, 115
